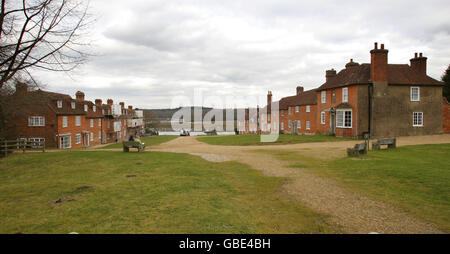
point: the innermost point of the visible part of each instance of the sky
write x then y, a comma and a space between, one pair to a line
147, 53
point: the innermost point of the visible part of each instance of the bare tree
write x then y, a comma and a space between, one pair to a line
43, 34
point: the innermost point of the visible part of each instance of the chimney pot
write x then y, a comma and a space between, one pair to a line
299, 90
420, 55
79, 96
110, 102
98, 102
376, 45
130, 107
382, 46
415, 55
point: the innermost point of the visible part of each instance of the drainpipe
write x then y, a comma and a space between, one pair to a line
370, 95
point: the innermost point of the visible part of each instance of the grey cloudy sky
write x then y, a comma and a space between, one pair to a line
148, 52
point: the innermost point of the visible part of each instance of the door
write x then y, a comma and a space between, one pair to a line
333, 123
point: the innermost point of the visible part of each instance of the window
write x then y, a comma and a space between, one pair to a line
86, 108
65, 141
322, 117
64, 123
39, 142
78, 139
103, 111
282, 126
345, 94
77, 120
296, 109
282, 112
94, 108
59, 103
344, 118
418, 119
308, 125
73, 105
99, 122
308, 108
92, 123
289, 110
36, 121
323, 96
299, 124
289, 123
415, 93
92, 136
99, 135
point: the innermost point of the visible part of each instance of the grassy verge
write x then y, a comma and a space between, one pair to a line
247, 140
166, 193
149, 141
414, 178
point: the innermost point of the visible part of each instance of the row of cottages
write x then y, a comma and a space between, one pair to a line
377, 98
64, 122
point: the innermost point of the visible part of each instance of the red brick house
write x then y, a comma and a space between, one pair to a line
382, 99
298, 113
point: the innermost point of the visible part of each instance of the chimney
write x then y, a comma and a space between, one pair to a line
269, 98
299, 90
419, 64
329, 74
98, 102
130, 107
379, 64
110, 102
122, 104
79, 96
21, 88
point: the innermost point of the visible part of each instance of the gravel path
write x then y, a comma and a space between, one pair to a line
351, 211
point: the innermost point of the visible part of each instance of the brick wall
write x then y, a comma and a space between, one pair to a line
332, 101
301, 115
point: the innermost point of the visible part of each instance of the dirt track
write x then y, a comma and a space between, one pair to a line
350, 211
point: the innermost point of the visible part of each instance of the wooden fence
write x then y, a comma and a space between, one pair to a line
10, 146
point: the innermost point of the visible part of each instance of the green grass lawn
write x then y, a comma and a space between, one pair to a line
170, 193
253, 139
414, 178
149, 141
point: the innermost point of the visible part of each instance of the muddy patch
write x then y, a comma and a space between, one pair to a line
212, 157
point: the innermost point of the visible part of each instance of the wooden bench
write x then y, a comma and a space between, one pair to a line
390, 142
133, 144
357, 150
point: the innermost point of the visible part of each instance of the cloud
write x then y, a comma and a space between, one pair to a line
151, 51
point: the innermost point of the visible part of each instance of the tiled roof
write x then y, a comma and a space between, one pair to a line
51, 99
90, 113
398, 74
306, 98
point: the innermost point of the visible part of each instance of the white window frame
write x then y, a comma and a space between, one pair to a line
308, 125
36, 121
299, 124
282, 126
344, 113
78, 138
65, 122
92, 123
345, 94
85, 107
36, 140
59, 103
297, 108
282, 112
61, 144
412, 94
77, 120
416, 116
289, 124
289, 110
99, 122
323, 96
99, 134
308, 108
73, 104
322, 117
92, 136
